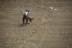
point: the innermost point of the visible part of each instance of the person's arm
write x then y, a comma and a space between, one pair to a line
28, 14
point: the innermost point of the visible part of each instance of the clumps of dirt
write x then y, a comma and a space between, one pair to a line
43, 20
2, 17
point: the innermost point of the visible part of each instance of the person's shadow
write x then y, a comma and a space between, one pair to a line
22, 25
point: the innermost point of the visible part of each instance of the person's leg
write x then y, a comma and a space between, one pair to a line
24, 17
26, 21
23, 20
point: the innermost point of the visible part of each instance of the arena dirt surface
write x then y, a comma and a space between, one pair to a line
51, 28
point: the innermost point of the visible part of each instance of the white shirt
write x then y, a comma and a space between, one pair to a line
25, 13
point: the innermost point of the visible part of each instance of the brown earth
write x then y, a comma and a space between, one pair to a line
49, 29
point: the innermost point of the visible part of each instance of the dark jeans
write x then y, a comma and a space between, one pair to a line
24, 17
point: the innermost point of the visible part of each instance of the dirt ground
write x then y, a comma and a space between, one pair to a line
51, 27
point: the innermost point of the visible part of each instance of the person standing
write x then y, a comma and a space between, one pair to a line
26, 16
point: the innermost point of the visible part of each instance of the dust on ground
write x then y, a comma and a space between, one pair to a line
51, 27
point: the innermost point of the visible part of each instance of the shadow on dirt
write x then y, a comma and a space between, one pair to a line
22, 25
